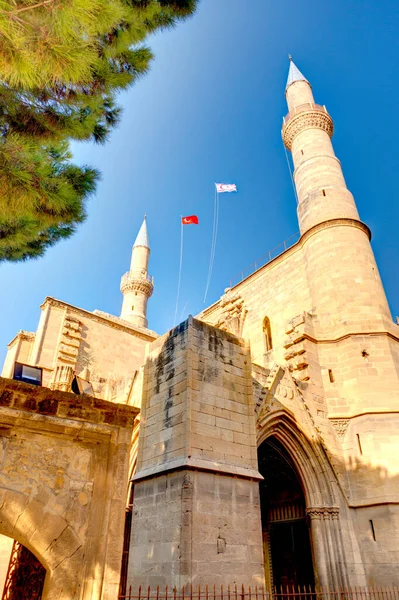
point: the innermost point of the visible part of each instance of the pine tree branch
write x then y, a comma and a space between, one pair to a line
38, 5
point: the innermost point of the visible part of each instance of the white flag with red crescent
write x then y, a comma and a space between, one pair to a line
225, 187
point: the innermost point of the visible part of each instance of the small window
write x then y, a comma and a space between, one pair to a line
331, 375
132, 307
27, 374
267, 334
324, 192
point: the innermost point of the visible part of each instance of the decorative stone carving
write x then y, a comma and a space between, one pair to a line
233, 313
323, 512
67, 356
62, 378
310, 119
70, 340
340, 426
270, 390
296, 344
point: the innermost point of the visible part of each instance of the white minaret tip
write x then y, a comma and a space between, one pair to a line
142, 238
294, 74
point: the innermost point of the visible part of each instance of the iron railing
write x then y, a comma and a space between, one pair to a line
304, 108
266, 258
136, 275
289, 592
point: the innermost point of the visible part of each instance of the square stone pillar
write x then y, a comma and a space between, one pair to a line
196, 513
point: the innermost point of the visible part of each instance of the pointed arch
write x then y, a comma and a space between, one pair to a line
317, 478
309, 459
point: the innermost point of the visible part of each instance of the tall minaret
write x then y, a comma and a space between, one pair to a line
136, 285
344, 282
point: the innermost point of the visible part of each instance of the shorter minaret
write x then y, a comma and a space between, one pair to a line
137, 285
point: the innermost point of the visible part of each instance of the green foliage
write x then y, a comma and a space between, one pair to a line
72, 42
47, 192
62, 62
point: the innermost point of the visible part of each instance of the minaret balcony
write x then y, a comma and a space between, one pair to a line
306, 116
137, 281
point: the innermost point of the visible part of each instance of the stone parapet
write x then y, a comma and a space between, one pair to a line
43, 401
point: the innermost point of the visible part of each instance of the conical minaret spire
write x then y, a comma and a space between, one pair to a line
294, 74
142, 236
137, 285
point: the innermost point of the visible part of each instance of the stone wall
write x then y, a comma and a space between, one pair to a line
113, 351
63, 485
196, 517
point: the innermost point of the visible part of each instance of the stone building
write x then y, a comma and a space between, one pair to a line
255, 444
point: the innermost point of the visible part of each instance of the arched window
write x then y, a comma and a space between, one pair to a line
267, 334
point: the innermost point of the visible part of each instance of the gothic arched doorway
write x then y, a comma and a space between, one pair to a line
288, 555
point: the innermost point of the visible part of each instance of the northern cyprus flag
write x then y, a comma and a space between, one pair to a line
225, 187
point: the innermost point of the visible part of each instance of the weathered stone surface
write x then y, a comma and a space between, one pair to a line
64, 466
196, 501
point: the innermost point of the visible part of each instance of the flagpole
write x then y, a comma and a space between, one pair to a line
213, 244
180, 269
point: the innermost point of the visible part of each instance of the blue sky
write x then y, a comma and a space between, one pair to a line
211, 110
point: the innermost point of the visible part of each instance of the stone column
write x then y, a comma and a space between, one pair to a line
328, 552
196, 513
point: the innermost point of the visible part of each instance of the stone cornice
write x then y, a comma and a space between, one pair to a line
22, 335
197, 464
334, 223
110, 320
390, 335
337, 417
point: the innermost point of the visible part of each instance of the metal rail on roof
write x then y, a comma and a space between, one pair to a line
266, 258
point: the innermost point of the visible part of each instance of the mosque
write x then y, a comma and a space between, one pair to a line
255, 444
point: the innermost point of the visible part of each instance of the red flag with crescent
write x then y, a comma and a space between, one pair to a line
191, 220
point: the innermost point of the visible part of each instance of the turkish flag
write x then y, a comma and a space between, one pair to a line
191, 220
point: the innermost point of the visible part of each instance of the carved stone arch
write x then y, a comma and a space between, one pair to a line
47, 535
317, 477
309, 458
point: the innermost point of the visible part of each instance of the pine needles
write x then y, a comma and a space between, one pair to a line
62, 63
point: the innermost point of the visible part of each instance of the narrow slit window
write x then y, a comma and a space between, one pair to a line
359, 443
324, 192
331, 376
372, 530
267, 334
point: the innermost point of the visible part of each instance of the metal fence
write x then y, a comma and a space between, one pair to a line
258, 593
266, 258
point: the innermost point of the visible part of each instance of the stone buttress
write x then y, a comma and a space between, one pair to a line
196, 515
